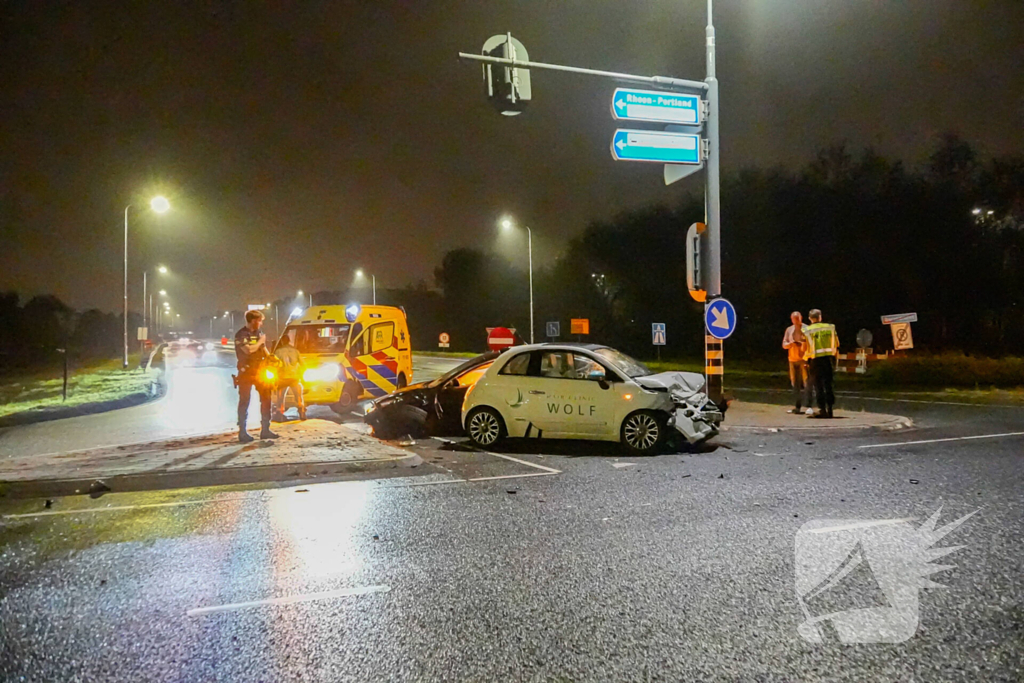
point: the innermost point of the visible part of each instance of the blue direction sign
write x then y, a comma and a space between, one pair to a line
658, 334
656, 107
720, 318
554, 329
656, 146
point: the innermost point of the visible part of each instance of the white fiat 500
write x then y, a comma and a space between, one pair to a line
585, 391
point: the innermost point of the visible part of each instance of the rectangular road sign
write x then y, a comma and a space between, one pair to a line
579, 326
902, 339
656, 107
656, 146
899, 318
658, 334
142, 333
554, 329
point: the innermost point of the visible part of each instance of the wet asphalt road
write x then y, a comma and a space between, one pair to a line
200, 399
676, 567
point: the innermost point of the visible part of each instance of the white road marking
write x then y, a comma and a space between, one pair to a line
953, 438
860, 525
620, 465
546, 469
288, 600
116, 508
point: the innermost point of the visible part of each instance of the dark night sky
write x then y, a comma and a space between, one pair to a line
298, 141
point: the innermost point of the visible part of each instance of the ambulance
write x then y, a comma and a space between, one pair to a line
351, 353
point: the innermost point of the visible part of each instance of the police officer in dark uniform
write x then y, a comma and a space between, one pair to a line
250, 348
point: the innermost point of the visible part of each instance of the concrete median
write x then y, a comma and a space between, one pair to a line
743, 415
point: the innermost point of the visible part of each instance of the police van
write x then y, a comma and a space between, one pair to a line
351, 352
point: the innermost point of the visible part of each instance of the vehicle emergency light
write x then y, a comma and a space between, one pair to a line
352, 312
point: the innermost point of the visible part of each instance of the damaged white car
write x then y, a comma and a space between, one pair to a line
586, 391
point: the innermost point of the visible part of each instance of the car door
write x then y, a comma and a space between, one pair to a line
450, 397
570, 397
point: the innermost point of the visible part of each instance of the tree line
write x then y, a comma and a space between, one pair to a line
856, 235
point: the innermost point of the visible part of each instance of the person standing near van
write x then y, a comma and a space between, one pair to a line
250, 348
823, 344
290, 375
794, 341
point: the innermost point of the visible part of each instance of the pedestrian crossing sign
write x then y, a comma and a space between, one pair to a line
658, 334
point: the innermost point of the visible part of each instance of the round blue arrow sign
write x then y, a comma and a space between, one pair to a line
720, 318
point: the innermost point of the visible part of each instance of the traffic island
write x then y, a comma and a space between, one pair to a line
313, 450
766, 417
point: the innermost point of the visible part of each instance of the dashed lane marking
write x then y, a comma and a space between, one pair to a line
288, 600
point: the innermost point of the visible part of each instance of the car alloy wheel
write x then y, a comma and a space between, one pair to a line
641, 432
484, 427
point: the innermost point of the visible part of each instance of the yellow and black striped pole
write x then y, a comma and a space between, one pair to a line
714, 368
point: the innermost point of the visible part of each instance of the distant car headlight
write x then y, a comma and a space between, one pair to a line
209, 346
322, 373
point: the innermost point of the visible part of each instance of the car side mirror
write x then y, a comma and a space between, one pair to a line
603, 383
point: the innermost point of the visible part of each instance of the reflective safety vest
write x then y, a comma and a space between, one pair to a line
821, 340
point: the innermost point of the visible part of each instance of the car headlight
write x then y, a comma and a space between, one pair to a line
322, 373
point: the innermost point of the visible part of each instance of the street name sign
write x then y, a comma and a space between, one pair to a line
656, 146
656, 106
658, 334
720, 318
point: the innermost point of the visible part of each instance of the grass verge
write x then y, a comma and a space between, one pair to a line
101, 382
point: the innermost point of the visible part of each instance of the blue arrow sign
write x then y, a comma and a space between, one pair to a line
554, 329
720, 318
656, 146
656, 107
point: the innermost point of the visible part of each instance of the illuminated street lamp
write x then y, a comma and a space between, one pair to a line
507, 224
157, 205
147, 303
360, 275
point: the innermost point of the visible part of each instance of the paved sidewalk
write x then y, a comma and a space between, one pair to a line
301, 443
770, 417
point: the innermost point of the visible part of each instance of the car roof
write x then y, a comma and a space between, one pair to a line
558, 345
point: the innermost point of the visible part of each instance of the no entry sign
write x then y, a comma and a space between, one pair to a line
499, 338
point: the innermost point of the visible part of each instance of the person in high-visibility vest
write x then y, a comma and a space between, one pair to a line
823, 348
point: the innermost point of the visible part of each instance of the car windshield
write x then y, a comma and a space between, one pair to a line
318, 338
631, 367
459, 369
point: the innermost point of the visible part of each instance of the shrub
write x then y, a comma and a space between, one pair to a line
950, 370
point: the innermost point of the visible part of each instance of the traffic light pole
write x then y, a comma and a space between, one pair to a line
713, 348
712, 278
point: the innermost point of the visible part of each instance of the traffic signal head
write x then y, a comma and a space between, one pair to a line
508, 88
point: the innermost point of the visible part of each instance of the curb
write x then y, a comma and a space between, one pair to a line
897, 422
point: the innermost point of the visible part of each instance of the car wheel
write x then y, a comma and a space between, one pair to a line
643, 431
349, 397
485, 427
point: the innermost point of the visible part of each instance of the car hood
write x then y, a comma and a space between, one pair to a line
684, 383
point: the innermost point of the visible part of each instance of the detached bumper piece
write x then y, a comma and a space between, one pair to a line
697, 419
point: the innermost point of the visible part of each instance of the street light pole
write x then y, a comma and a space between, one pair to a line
373, 279
124, 363
529, 242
